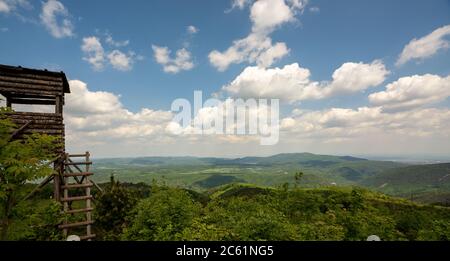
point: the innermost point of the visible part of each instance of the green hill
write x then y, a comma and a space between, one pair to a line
426, 181
268, 171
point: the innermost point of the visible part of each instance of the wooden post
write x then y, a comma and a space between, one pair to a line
8, 102
59, 104
88, 201
66, 195
57, 181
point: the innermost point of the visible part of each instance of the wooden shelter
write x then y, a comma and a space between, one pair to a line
41, 87
35, 87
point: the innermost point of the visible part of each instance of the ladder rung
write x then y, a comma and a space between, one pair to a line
83, 185
87, 237
80, 210
78, 163
77, 224
76, 198
76, 174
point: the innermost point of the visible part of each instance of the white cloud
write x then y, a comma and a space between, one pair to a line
109, 40
6, 6
412, 91
192, 29
340, 124
257, 47
121, 61
292, 83
98, 116
58, 28
94, 52
99, 122
240, 4
426, 46
181, 62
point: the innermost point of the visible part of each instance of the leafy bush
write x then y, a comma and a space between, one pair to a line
162, 216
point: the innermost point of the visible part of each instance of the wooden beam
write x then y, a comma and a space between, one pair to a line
33, 101
21, 129
56, 82
13, 91
41, 185
59, 105
30, 86
57, 77
27, 95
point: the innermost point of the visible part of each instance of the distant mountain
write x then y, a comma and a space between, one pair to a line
429, 180
305, 159
427, 183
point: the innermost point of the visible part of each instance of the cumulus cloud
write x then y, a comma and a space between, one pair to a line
426, 46
120, 60
292, 82
257, 47
98, 121
99, 116
181, 62
94, 52
346, 124
412, 91
56, 19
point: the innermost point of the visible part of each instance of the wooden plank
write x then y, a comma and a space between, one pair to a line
31, 96
43, 131
80, 210
97, 186
16, 73
76, 198
83, 185
78, 174
78, 163
39, 122
53, 82
40, 114
27, 86
77, 224
13, 91
16, 132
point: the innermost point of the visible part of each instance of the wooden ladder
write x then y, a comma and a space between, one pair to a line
75, 176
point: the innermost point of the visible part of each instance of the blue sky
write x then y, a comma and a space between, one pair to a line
320, 36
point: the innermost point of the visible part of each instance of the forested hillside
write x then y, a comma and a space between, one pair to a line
241, 212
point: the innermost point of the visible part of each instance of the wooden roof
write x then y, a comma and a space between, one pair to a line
32, 83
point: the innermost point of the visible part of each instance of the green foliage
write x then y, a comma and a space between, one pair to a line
162, 216
21, 161
439, 231
44, 223
112, 208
